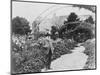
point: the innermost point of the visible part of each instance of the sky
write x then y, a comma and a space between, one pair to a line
28, 10
31, 11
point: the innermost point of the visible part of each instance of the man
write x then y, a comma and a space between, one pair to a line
47, 43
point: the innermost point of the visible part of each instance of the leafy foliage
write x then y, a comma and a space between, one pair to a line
82, 34
30, 59
32, 56
73, 28
63, 47
90, 51
20, 26
54, 32
69, 25
72, 18
89, 20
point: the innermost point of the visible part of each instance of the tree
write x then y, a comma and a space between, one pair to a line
72, 18
89, 20
20, 26
69, 25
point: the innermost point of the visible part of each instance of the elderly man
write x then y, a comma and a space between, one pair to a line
47, 43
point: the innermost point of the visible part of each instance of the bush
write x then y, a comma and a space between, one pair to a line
82, 34
32, 58
90, 52
89, 20
20, 26
63, 47
29, 59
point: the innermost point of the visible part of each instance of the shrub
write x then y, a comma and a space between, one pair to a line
63, 47
20, 26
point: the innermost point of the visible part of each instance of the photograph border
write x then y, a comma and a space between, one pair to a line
58, 4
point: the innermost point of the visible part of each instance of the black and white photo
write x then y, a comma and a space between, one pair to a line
52, 37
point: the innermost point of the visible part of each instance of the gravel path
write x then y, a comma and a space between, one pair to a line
73, 61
